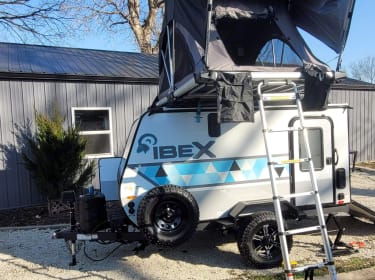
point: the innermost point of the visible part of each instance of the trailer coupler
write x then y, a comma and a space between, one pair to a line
111, 233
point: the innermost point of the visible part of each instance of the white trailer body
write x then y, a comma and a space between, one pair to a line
224, 164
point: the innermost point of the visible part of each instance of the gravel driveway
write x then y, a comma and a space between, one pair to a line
32, 254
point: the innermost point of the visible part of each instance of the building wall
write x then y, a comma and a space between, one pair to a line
361, 120
19, 99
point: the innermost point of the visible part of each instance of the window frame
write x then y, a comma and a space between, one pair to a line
96, 132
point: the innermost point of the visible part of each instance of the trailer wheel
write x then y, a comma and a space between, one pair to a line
168, 215
259, 243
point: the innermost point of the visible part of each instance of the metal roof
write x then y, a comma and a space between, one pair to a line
353, 84
47, 62
34, 61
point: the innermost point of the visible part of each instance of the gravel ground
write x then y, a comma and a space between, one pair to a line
32, 254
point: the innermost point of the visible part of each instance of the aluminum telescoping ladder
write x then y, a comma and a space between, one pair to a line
283, 233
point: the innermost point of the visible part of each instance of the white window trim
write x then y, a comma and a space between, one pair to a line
95, 132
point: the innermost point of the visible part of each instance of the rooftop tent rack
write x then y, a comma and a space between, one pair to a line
206, 44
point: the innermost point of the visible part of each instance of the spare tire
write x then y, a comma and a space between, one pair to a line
168, 215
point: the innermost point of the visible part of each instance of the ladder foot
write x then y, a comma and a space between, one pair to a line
309, 274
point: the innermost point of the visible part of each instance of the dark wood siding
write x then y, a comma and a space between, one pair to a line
19, 99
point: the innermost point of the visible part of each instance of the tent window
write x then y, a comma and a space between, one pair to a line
95, 125
245, 38
277, 53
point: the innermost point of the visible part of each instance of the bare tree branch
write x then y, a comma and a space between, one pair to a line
49, 20
141, 17
364, 69
42, 20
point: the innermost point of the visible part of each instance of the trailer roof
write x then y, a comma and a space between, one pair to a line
35, 61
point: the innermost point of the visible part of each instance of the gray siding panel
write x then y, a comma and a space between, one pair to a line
60, 99
20, 99
361, 120
5, 128
100, 95
119, 116
71, 98
129, 111
16, 193
28, 110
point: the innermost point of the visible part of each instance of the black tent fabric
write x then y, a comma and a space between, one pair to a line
227, 36
235, 97
327, 20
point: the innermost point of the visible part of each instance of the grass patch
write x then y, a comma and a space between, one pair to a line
353, 264
368, 164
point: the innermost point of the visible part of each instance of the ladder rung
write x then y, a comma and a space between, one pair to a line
285, 130
286, 161
302, 230
309, 266
292, 195
278, 96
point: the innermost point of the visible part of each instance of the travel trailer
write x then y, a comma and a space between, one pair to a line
197, 158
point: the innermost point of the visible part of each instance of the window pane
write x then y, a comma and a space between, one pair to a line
277, 53
91, 120
316, 146
98, 144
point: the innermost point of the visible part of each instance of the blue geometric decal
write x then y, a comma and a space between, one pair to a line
215, 172
222, 165
191, 168
259, 166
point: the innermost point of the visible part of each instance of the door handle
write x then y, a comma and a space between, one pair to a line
336, 156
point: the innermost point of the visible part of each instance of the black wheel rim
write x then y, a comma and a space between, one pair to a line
168, 216
266, 242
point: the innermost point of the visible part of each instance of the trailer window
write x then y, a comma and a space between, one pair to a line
95, 125
315, 136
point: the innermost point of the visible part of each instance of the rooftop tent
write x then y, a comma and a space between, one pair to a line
201, 37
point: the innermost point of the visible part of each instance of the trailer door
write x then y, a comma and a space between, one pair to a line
320, 137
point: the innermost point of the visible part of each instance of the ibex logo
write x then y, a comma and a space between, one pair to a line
195, 149
145, 142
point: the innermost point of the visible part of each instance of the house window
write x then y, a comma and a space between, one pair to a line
315, 138
95, 125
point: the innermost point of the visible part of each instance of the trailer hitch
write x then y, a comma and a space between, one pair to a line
115, 234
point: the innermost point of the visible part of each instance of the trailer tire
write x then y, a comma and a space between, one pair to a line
168, 215
258, 242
